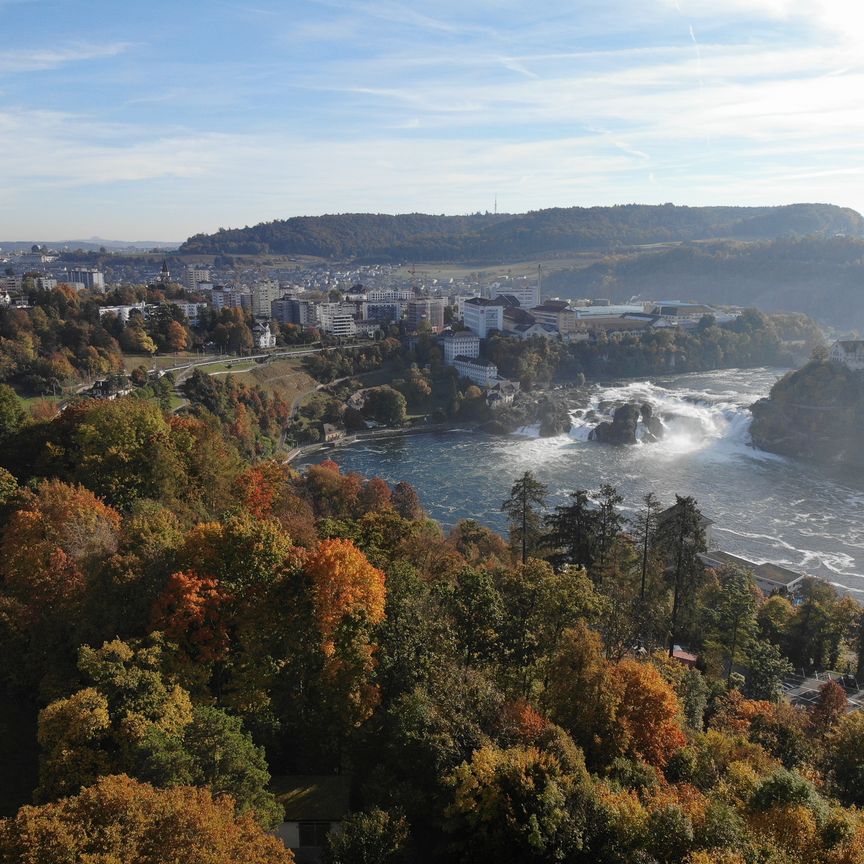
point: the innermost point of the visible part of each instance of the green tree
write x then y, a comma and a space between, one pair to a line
732, 615
372, 836
12, 414
523, 507
572, 529
682, 538
766, 670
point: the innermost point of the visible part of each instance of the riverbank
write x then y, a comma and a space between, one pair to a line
376, 435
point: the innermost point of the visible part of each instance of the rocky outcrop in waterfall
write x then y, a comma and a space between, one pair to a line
815, 413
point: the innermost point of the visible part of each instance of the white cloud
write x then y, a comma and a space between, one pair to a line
38, 59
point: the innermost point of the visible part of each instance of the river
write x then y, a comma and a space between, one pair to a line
765, 507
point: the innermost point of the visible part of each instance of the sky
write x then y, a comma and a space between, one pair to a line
157, 120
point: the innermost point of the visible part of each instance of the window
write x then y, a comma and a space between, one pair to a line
313, 833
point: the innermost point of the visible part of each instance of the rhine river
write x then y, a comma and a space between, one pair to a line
765, 507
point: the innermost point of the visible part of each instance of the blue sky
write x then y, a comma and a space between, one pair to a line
133, 120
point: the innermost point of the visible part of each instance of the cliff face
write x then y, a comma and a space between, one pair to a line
815, 413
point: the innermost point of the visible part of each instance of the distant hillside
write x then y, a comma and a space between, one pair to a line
822, 277
487, 237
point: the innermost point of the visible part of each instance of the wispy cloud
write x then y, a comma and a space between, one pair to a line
38, 59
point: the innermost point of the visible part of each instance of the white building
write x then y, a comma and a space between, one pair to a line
45, 283
262, 336
482, 372
192, 311
461, 344
850, 353
334, 319
90, 277
528, 295
482, 316
123, 312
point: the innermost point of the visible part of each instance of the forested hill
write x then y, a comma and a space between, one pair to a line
483, 237
822, 277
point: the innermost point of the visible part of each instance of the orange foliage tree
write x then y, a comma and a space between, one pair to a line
52, 541
190, 612
344, 583
121, 820
648, 712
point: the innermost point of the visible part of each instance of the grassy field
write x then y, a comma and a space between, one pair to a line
162, 361
286, 378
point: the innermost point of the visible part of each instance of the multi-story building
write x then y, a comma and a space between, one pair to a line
263, 294
194, 276
90, 277
336, 320
385, 312
289, 310
192, 311
230, 298
420, 310
45, 283
558, 314
461, 344
482, 372
527, 294
482, 316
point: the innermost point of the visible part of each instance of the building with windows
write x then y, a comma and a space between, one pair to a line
194, 276
461, 344
336, 320
482, 316
91, 278
263, 294
482, 372
422, 310
262, 336
849, 352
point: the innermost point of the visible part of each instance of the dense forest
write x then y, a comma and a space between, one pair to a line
510, 237
820, 276
181, 625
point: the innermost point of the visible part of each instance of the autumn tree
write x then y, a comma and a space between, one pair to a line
518, 804
132, 719
119, 819
731, 616
647, 713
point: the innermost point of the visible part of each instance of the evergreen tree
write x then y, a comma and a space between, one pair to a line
527, 499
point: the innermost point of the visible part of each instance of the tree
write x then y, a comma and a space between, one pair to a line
767, 668
12, 414
406, 502
731, 615
527, 498
344, 583
370, 837
131, 719
572, 529
645, 526
682, 538
177, 338
477, 612
609, 522
518, 804
844, 757
647, 713
119, 819
386, 405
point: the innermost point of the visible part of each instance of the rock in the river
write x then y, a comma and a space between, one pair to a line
622, 429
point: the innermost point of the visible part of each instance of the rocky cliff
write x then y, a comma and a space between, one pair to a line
815, 413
